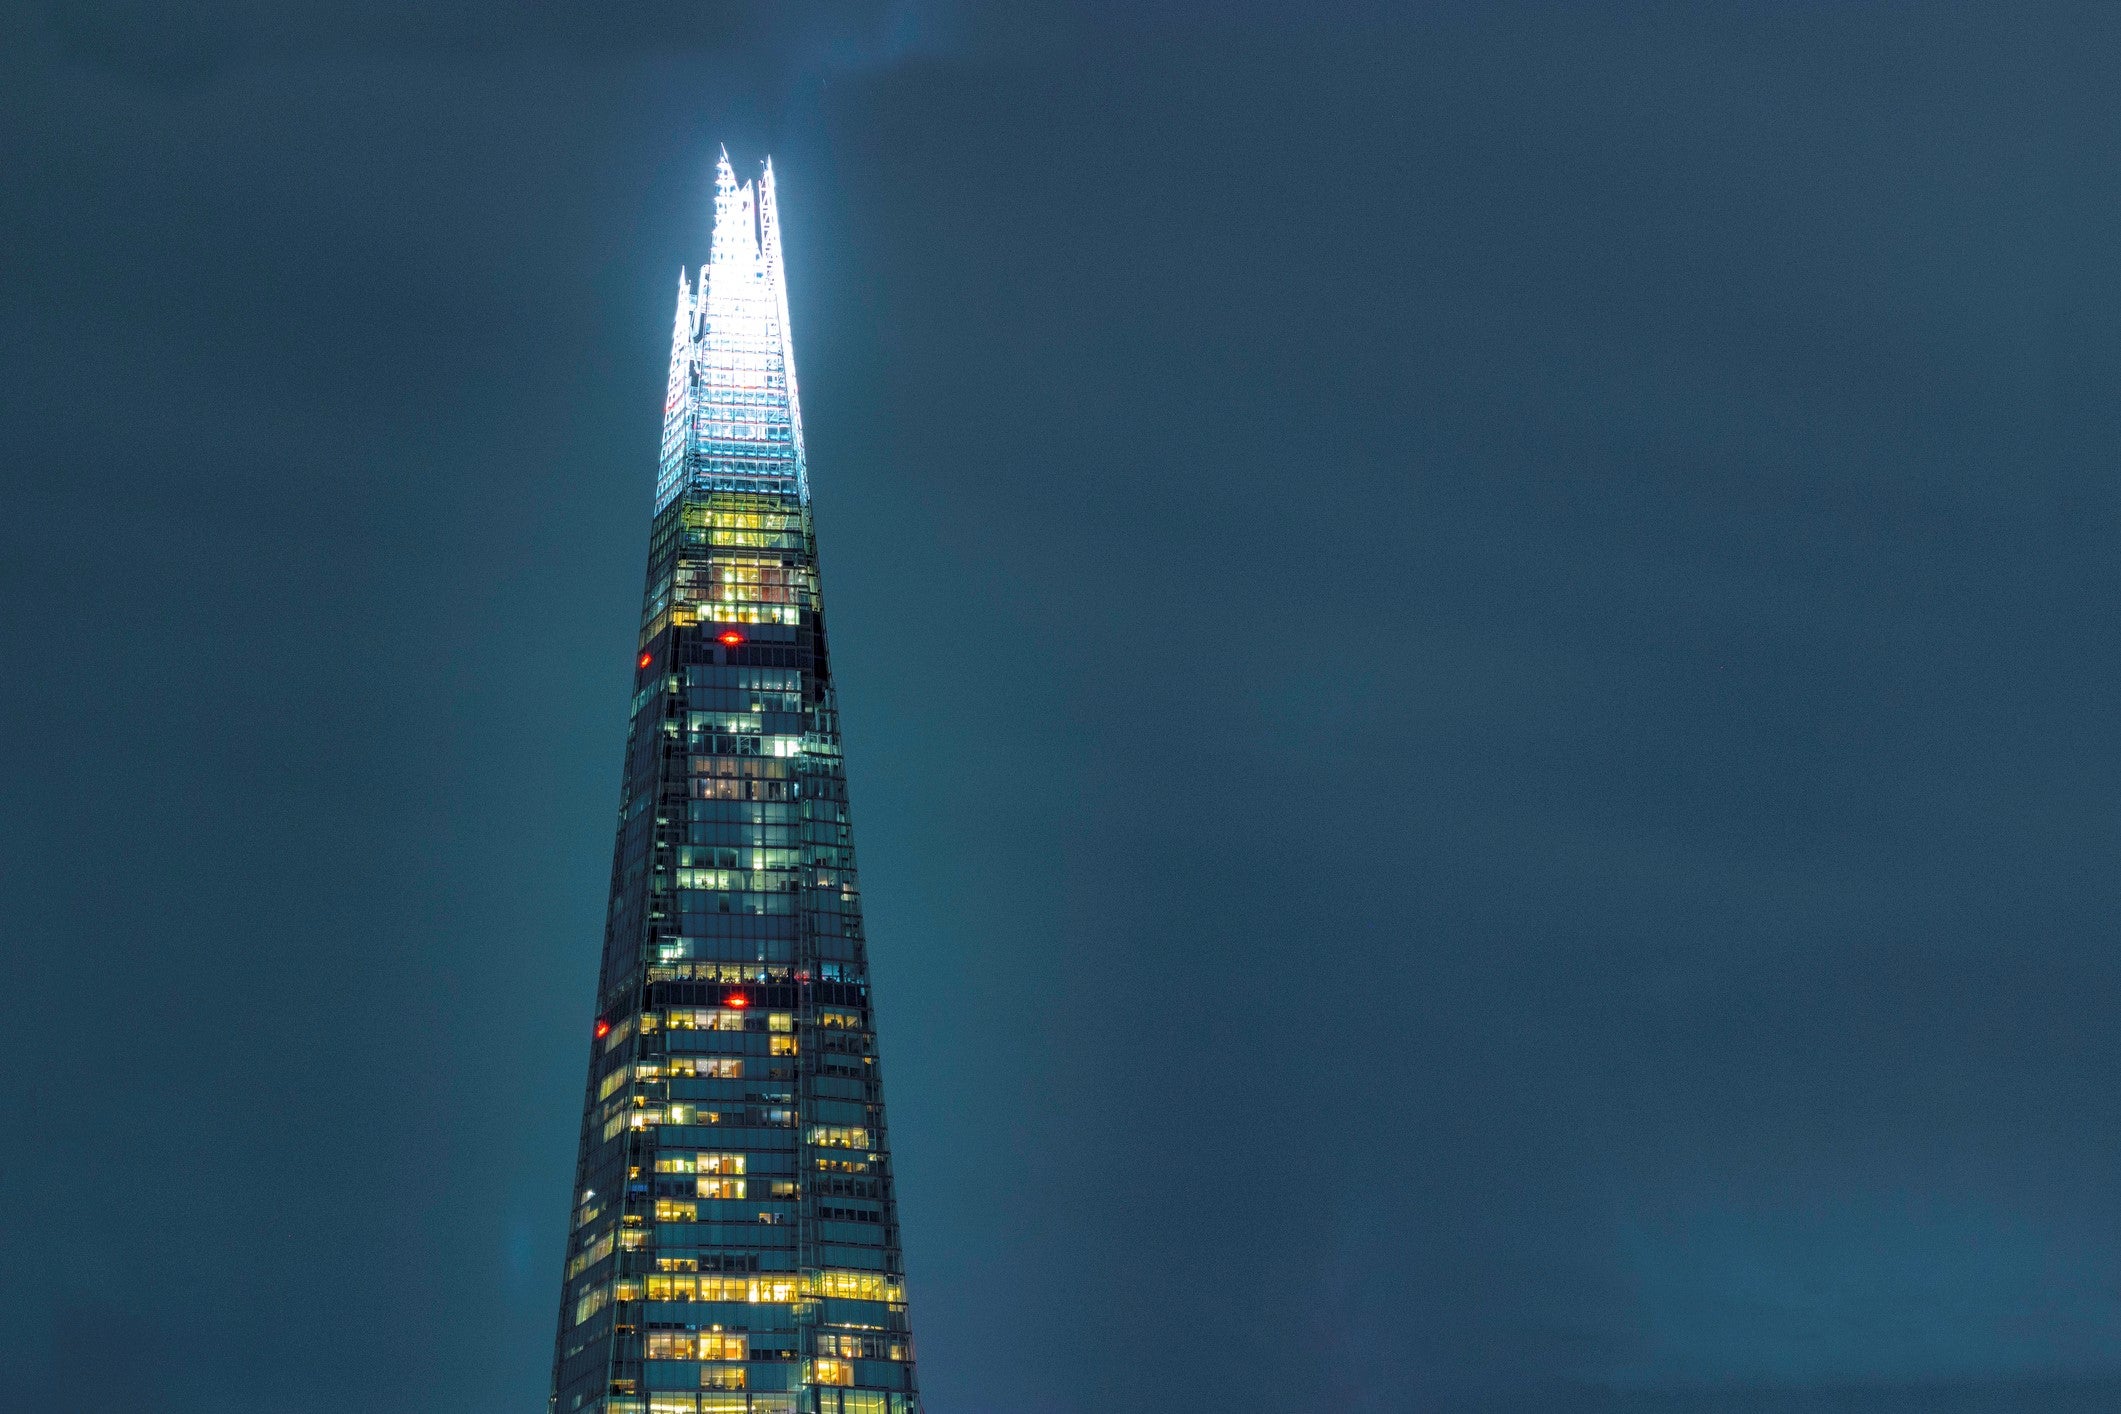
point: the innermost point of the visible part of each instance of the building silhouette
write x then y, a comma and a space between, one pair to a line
733, 1242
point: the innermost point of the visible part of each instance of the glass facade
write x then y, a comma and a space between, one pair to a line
733, 1241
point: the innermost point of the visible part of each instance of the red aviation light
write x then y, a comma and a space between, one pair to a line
603, 1028
729, 637
736, 1000
646, 659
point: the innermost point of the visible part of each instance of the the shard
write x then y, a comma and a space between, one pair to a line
733, 1239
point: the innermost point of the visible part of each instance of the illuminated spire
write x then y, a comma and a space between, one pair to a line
677, 400
770, 238
680, 342
738, 426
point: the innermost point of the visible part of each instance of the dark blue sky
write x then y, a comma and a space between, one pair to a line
1478, 648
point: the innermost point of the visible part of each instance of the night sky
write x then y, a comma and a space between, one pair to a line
1478, 645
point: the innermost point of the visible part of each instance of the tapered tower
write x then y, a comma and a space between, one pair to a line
733, 1242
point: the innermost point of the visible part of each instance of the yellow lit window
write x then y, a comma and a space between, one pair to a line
783, 1046
589, 1256
854, 1286
722, 1377
672, 1210
722, 1345
672, 1288
742, 579
831, 1372
780, 1021
860, 1347
721, 1163
728, 1288
670, 1345
721, 1187
592, 1301
706, 1019
674, 1163
831, 1136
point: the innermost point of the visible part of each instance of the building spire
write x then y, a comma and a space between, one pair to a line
741, 428
677, 399
770, 241
684, 299
680, 334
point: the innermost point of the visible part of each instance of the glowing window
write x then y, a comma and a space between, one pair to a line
709, 1067
707, 1019
773, 1289
855, 1286
835, 1136
723, 1345
670, 1345
589, 1256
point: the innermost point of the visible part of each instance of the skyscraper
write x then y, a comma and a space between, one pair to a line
733, 1244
